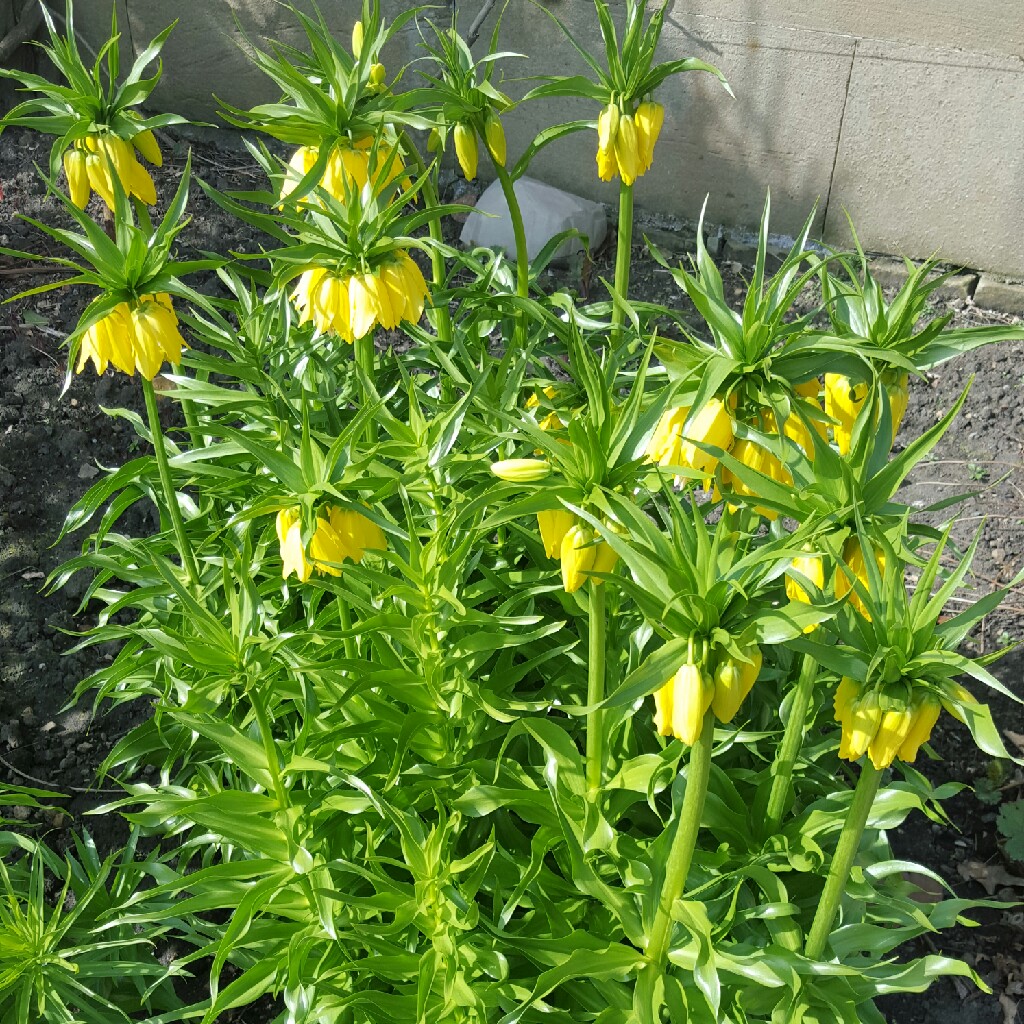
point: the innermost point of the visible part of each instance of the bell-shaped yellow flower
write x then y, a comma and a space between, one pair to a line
578, 553
864, 717
813, 568
155, 334
109, 155
343, 534
925, 712
466, 149
853, 556
521, 471
78, 176
711, 426
293, 555
762, 461
682, 702
843, 403
607, 130
664, 446
897, 390
734, 679
843, 702
494, 136
554, 524
649, 118
605, 560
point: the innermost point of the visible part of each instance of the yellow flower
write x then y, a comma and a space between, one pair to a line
663, 448
521, 471
289, 536
357, 39
845, 698
843, 402
863, 718
733, 681
682, 702
109, 155
898, 393
853, 556
139, 337
762, 461
350, 304
465, 150
649, 118
893, 731
339, 534
627, 153
300, 163
375, 80
925, 712
554, 524
145, 142
814, 569
78, 176
578, 553
605, 560
494, 136
607, 130
711, 426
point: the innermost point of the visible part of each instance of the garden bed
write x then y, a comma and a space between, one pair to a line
53, 446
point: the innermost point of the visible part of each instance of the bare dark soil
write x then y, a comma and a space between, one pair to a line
51, 447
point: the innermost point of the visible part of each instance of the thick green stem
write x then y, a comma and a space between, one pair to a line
170, 495
842, 861
792, 740
596, 630
364, 353
522, 255
684, 842
623, 254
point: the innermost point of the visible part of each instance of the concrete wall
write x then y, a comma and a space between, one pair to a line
910, 116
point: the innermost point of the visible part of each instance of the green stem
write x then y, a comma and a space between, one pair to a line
842, 860
439, 272
623, 255
522, 255
679, 857
345, 619
792, 740
170, 495
364, 353
596, 630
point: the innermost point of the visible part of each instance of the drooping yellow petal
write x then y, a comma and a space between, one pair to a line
843, 402
78, 177
853, 556
892, 732
116, 328
649, 118
554, 524
577, 553
416, 290
711, 426
362, 307
141, 184
865, 717
388, 315
289, 536
925, 713
99, 174
663, 707
626, 149
843, 702
94, 346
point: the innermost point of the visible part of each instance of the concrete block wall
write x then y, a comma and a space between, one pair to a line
909, 116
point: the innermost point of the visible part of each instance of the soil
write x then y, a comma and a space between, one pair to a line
53, 445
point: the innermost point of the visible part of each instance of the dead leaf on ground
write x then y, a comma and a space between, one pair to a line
1015, 738
32, 575
1009, 1008
989, 876
87, 472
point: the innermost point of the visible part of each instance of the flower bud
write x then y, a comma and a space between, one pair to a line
626, 149
494, 135
893, 730
145, 142
649, 118
734, 679
577, 553
357, 39
521, 471
78, 177
681, 704
465, 150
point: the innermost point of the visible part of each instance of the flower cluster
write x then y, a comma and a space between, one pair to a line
625, 141
351, 164
340, 534
92, 164
844, 401
813, 568
576, 546
882, 727
134, 336
683, 701
348, 304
